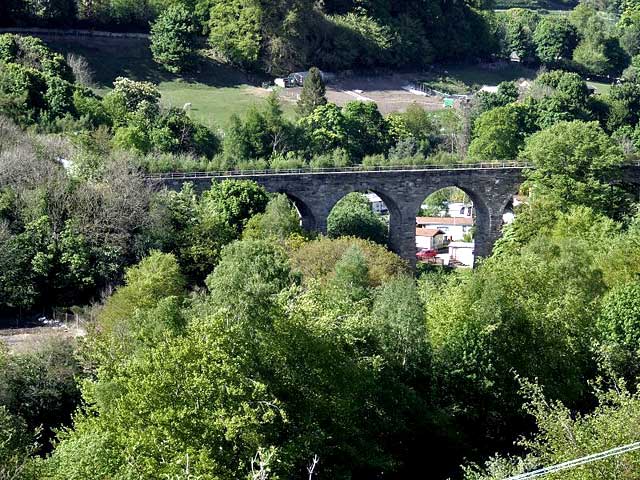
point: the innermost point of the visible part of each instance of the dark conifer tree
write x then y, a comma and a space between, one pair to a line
313, 92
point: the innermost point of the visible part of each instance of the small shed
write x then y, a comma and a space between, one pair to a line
430, 238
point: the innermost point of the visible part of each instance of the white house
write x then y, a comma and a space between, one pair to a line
377, 205
461, 253
430, 238
459, 210
454, 228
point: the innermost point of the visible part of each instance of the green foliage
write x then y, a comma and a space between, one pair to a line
574, 164
249, 275
262, 133
484, 101
31, 52
316, 260
196, 229
279, 221
34, 82
563, 437
399, 315
235, 30
352, 216
140, 313
555, 39
499, 134
326, 128
351, 276
519, 27
566, 100
235, 202
534, 310
313, 93
173, 38
15, 447
130, 96
618, 330
39, 387
367, 132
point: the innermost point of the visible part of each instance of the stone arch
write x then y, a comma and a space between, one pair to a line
389, 201
308, 219
487, 223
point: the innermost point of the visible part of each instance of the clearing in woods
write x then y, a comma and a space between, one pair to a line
217, 91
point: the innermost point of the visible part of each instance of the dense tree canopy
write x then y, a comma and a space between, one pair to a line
352, 216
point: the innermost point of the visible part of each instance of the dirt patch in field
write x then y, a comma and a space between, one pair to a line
386, 91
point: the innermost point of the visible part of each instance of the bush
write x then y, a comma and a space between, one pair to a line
317, 259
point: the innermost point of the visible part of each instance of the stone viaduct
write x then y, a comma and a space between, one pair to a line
490, 186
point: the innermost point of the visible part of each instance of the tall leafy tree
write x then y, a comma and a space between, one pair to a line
173, 38
555, 39
235, 30
499, 134
575, 163
352, 216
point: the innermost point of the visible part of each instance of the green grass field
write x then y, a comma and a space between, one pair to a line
216, 91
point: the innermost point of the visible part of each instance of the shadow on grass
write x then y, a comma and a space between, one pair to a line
110, 58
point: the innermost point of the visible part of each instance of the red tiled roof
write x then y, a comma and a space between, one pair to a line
428, 232
444, 221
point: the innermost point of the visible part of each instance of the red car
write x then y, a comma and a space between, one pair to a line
426, 254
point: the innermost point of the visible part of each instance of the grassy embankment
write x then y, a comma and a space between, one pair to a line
216, 92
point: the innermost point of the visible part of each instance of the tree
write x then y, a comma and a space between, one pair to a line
367, 130
350, 279
555, 39
261, 134
520, 25
39, 387
545, 293
564, 436
601, 57
398, 316
618, 332
326, 129
313, 93
352, 216
279, 221
630, 35
235, 202
173, 38
16, 447
235, 30
567, 99
249, 275
316, 260
575, 162
499, 133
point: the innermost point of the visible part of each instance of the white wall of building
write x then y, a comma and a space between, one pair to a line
461, 252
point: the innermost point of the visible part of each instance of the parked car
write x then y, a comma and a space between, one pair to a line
426, 254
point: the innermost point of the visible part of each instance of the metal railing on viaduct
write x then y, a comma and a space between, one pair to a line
491, 187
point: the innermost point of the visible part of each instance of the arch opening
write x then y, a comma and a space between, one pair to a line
446, 228
307, 218
364, 213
